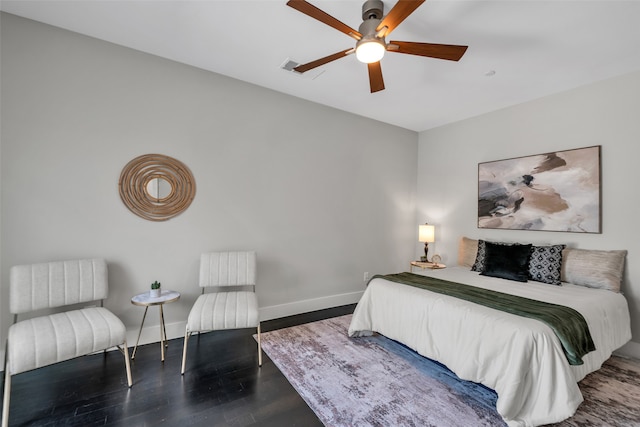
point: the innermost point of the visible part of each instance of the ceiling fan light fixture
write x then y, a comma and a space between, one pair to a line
370, 50
370, 38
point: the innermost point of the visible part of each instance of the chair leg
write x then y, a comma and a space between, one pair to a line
259, 347
7, 391
127, 363
184, 350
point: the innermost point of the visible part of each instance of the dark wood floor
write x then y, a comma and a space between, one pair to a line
222, 386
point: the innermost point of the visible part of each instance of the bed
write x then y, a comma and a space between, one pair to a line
520, 358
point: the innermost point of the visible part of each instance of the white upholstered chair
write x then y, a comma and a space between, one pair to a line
231, 306
41, 341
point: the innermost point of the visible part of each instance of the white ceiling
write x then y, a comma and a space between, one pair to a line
536, 48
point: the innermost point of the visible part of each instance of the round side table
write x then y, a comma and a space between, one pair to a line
144, 299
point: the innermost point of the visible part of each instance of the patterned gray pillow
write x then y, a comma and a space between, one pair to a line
545, 264
480, 257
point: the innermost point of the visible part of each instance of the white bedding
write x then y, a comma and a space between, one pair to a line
520, 358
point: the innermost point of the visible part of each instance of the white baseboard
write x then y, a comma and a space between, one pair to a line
176, 329
630, 349
305, 306
151, 334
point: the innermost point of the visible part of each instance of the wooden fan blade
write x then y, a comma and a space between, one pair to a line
397, 14
376, 82
322, 16
318, 62
450, 52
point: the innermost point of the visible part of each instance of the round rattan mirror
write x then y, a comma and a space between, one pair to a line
156, 187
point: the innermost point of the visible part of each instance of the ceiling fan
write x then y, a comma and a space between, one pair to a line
370, 37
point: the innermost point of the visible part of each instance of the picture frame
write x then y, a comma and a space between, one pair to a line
554, 191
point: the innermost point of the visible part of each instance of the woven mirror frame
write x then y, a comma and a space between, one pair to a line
156, 187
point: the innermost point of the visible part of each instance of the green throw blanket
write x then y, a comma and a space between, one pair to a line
570, 326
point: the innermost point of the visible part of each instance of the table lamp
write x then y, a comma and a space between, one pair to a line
426, 234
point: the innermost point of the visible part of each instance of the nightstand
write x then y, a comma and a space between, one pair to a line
425, 265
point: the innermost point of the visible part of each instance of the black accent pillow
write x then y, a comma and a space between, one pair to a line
507, 261
478, 265
545, 264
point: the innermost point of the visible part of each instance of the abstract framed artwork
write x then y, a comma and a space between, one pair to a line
557, 191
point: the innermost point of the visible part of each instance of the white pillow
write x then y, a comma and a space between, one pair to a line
467, 251
593, 268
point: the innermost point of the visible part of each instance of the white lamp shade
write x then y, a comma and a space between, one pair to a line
370, 51
427, 233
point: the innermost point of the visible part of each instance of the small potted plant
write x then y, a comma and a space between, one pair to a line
155, 289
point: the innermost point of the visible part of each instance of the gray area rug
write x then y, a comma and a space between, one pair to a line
375, 381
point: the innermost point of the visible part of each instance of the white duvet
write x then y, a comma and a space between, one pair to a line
520, 358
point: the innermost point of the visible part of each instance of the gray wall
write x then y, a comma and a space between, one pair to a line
322, 196
603, 114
